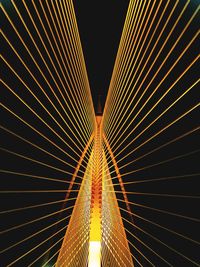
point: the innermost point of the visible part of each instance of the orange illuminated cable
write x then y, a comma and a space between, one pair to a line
75, 251
35, 191
114, 258
154, 194
133, 44
148, 247
61, 254
159, 163
81, 79
78, 166
125, 60
95, 163
84, 252
77, 219
131, 243
112, 97
40, 205
45, 50
131, 18
86, 194
126, 57
68, 17
156, 149
36, 206
79, 242
128, 34
83, 237
16, 260
38, 177
158, 240
36, 220
117, 172
169, 53
164, 228
55, 67
30, 126
108, 238
72, 182
138, 54
80, 161
49, 250
69, 26
114, 253
38, 147
35, 64
130, 83
123, 38
33, 110
116, 243
36, 161
74, 77
164, 145
160, 99
108, 105
33, 235
122, 48
144, 244
21, 80
88, 114
35, 113
146, 60
129, 38
156, 134
120, 79
162, 211
79, 107
81, 54
115, 213
167, 178
44, 241
105, 225
38, 132
171, 68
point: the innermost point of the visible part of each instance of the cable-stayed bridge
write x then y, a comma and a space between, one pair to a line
111, 187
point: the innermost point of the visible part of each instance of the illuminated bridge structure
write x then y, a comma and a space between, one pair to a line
98, 236
105, 188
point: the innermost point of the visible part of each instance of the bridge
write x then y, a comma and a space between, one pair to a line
115, 186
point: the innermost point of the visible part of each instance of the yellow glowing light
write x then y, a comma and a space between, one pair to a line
94, 254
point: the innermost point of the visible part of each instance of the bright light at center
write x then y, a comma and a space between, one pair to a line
94, 254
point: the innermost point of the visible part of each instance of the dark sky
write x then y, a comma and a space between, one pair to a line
100, 26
